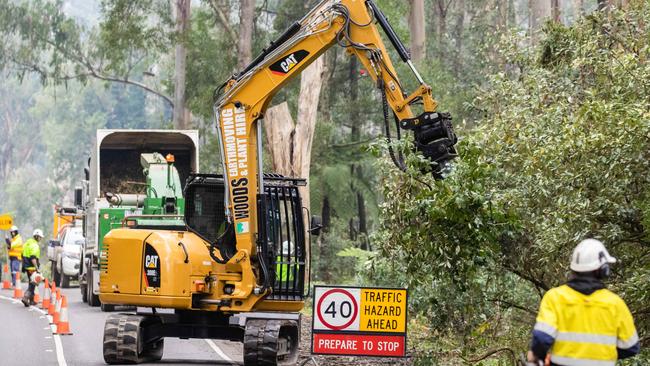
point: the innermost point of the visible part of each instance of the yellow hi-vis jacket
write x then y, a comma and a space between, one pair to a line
31, 250
586, 330
16, 248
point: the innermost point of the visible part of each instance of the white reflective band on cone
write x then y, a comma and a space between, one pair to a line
568, 361
64, 315
586, 338
634, 339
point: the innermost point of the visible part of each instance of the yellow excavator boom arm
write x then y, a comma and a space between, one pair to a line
246, 96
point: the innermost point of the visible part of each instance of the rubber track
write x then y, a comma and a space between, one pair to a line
121, 343
261, 342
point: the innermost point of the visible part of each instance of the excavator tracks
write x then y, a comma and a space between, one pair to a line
124, 343
270, 342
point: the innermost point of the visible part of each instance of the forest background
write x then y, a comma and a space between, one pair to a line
550, 99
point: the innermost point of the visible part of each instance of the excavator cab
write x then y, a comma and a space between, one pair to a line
282, 255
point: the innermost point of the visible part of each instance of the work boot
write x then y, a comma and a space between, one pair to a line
28, 299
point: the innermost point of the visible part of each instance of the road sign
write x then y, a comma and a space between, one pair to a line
359, 321
6, 222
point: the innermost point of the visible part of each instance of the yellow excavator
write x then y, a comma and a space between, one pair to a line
237, 271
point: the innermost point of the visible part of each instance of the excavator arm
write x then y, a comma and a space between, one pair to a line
243, 100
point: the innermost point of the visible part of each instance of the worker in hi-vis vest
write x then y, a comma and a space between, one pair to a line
285, 266
582, 323
15, 249
31, 255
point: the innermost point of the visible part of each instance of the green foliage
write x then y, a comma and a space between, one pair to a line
562, 154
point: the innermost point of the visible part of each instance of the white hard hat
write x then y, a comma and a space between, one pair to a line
589, 256
287, 248
38, 232
14, 228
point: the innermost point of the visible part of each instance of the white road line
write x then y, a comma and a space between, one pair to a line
60, 357
59, 350
218, 350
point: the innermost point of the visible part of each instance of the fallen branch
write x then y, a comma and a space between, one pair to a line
492, 353
513, 305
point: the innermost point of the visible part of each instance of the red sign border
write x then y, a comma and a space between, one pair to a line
405, 334
320, 302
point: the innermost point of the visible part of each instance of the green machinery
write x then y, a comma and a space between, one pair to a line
161, 206
116, 194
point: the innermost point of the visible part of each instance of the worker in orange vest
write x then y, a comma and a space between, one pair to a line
15, 248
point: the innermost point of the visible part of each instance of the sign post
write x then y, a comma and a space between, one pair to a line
359, 321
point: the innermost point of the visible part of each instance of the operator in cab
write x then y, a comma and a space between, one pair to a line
285, 268
31, 254
582, 323
15, 248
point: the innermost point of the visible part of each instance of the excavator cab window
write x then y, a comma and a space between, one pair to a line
282, 221
285, 232
204, 211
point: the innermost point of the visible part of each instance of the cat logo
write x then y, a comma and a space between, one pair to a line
151, 270
151, 261
288, 62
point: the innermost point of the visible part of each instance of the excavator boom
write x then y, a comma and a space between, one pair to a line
240, 108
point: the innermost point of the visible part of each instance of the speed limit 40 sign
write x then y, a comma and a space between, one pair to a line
359, 321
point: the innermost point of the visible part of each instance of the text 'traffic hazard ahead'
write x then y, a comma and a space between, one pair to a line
359, 321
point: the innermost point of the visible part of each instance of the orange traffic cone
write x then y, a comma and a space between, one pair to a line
6, 283
52, 308
63, 327
57, 312
18, 290
46, 298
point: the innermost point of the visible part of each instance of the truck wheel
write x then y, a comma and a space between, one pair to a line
124, 342
65, 280
56, 275
93, 300
271, 342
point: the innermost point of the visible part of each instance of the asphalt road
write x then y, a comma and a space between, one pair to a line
26, 338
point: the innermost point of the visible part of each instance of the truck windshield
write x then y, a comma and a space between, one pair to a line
74, 238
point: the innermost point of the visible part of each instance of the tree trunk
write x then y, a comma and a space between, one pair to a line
579, 8
500, 14
555, 10
363, 221
290, 143
441, 7
458, 35
539, 12
246, 22
326, 215
417, 29
180, 116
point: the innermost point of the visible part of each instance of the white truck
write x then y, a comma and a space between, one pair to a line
64, 251
115, 188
